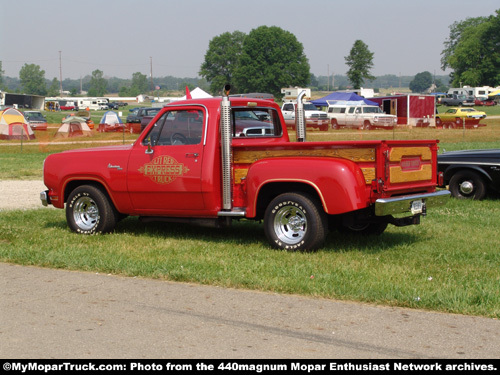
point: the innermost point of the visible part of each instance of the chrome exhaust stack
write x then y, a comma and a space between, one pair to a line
300, 118
226, 136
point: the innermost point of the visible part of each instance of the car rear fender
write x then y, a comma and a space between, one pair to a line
452, 169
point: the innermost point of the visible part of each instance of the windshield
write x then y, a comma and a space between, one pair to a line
34, 116
372, 110
310, 107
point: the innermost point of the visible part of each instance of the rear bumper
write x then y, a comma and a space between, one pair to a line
403, 204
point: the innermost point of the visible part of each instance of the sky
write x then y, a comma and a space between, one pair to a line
170, 38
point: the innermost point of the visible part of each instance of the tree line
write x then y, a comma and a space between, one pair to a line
269, 58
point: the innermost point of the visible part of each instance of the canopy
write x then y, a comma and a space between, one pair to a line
13, 125
494, 93
197, 93
341, 98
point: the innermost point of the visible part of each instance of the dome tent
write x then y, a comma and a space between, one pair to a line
73, 126
13, 125
110, 121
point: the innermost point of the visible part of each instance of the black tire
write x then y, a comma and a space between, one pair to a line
467, 185
367, 125
335, 125
295, 222
89, 211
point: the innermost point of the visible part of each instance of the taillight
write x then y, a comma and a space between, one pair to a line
440, 179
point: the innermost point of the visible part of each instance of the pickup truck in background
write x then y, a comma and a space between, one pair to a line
314, 117
457, 100
211, 161
138, 120
360, 116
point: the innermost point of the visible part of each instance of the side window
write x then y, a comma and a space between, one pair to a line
179, 127
288, 107
351, 109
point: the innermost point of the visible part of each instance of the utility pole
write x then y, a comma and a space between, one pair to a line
60, 74
151, 75
328, 78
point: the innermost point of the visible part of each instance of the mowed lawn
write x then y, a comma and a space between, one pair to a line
449, 263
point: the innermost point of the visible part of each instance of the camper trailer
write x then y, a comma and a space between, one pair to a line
93, 104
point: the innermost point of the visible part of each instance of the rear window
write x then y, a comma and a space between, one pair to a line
255, 122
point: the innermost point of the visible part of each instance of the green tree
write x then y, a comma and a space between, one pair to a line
54, 88
360, 62
221, 59
456, 31
421, 82
473, 51
97, 84
271, 59
33, 79
139, 84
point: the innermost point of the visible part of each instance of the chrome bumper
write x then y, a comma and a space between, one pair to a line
44, 197
410, 203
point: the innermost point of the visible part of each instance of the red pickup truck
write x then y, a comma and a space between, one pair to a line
211, 161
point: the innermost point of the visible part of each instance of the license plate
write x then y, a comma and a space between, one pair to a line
417, 207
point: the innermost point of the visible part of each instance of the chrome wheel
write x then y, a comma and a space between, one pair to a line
85, 213
90, 211
295, 222
290, 224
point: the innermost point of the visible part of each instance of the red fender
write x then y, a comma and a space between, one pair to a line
340, 183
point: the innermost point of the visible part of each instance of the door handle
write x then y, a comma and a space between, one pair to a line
192, 155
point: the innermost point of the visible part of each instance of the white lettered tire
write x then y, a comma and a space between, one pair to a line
295, 222
89, 211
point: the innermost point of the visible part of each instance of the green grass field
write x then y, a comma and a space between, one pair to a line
449, 263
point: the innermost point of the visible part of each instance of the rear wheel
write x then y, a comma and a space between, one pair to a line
367, 125
468, 185
294, 222
89, 211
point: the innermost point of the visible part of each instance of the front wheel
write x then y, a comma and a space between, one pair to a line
89, 211
294, 222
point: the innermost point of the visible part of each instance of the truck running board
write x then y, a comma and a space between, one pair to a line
235, 212
202, 222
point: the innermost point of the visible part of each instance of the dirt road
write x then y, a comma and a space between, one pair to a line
20, 194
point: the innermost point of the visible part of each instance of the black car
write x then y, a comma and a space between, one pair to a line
112, 105
471, 173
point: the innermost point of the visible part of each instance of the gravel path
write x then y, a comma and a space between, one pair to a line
20, 194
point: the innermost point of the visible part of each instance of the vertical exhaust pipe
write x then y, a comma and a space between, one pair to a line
300, 118
226, 136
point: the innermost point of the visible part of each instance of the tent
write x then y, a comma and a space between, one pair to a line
341, 98
197, 93
110, 121
73, 127
13, 125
